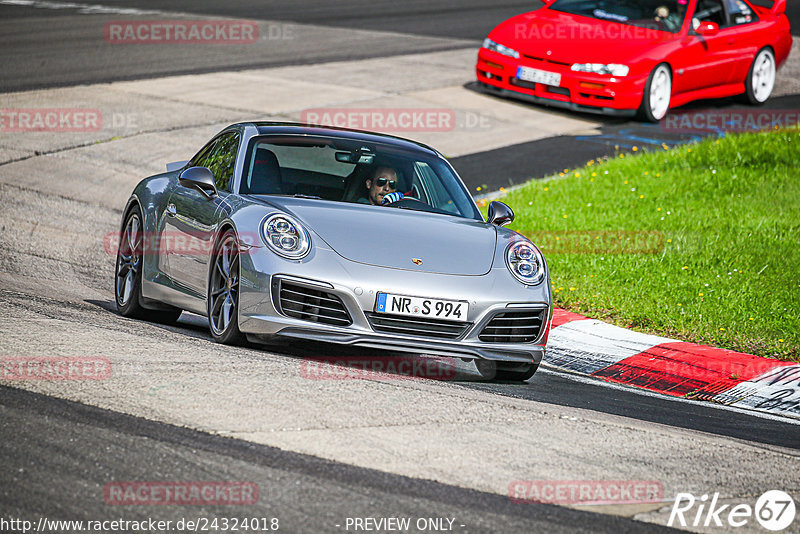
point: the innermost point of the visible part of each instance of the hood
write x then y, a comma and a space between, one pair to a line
392, 237
562, 37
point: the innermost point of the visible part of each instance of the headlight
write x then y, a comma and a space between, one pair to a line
599, 68
285, 236
525, 263
500, 49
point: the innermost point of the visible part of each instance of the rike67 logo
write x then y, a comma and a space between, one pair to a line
774, 510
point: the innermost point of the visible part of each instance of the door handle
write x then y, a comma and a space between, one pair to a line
171, 210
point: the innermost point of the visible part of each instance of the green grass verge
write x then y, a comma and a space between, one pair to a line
700, 243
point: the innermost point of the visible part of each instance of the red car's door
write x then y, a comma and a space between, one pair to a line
707, 60
745, 37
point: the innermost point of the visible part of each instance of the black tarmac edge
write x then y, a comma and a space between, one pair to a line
58, 455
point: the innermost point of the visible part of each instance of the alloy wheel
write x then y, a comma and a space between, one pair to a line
224, 287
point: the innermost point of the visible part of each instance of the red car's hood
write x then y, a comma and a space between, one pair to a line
567, 38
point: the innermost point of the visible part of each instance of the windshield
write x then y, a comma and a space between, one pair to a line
664, 15
346, 170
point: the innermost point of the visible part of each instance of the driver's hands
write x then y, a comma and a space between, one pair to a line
390, 198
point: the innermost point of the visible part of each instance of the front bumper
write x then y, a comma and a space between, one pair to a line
356, 286
578, 91
533, 354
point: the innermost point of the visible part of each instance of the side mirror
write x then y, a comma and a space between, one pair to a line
200, 179
707, 29
499, 214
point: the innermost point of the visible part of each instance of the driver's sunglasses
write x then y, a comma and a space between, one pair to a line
380, 182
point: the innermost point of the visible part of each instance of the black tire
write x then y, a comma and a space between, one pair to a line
128, 273
222, 303
651, 109
750, 95
517, 372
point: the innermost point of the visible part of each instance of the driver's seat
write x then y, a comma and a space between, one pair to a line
355, 184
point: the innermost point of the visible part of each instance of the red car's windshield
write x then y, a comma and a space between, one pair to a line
664, 15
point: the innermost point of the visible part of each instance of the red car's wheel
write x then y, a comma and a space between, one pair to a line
761, 78
657, 94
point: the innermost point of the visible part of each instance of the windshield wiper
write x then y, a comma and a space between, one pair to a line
299, 195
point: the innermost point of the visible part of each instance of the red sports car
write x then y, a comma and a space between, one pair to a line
620, 57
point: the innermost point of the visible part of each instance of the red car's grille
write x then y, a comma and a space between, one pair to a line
547, 60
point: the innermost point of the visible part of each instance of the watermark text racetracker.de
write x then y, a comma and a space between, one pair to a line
546, 31
181, 493
730, 121
18, 120
396, 119
54, 368
599, 241
181, 32
586, 492
384, 367
174, 242
148, 525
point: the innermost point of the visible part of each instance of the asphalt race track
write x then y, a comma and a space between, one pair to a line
305, 493
43, 60
178, 407
290, 34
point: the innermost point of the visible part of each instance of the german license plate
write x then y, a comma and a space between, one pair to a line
539, 76
448, 310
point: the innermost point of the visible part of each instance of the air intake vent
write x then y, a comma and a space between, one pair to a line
546, 60
416, 326
513, 327
312, 305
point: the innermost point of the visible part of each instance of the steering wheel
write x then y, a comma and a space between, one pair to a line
704, 14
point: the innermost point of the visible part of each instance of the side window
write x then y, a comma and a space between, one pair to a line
222, 160
201, 157
709, 11
739, 13
432, 185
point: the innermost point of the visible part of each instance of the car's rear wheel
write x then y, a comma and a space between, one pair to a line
128, 277
223, 291
761, 78
657, 94
506, 372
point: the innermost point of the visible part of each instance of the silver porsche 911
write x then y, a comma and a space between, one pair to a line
277, 231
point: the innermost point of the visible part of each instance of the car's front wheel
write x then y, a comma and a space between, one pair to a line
223, 291
506, 372
761, 78
657, 94
128, 273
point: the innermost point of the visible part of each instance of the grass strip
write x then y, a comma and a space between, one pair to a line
699, 243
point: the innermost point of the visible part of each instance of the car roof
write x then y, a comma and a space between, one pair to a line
292, 128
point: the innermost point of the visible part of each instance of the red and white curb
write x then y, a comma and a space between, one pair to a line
597, 349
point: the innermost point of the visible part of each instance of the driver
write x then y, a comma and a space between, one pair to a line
662, 12
382, 187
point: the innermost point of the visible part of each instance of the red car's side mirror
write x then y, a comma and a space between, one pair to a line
707, 29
